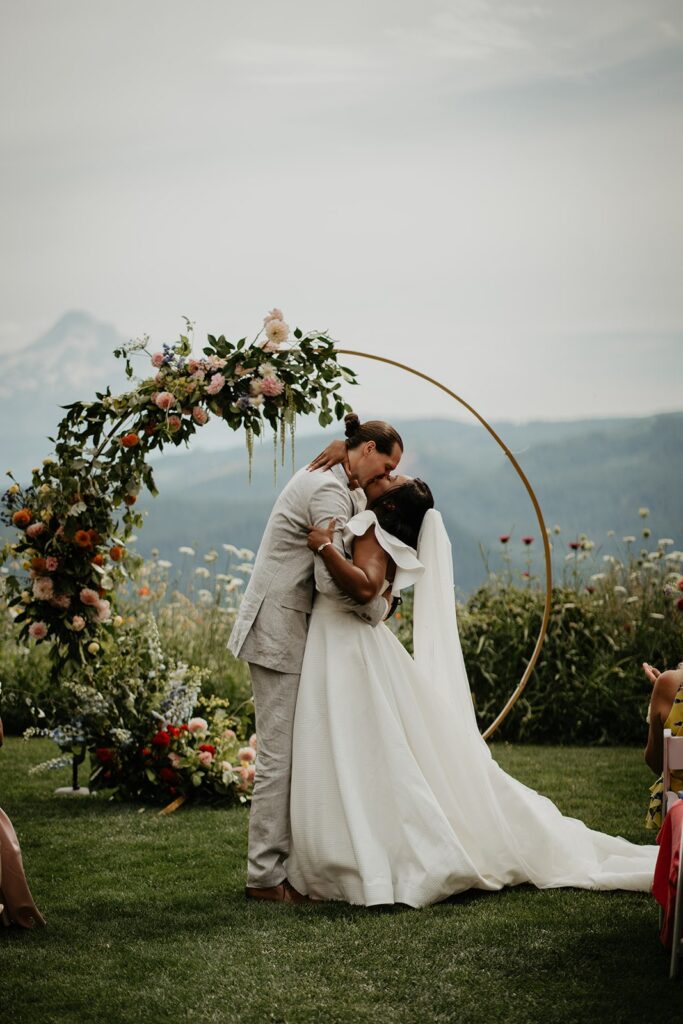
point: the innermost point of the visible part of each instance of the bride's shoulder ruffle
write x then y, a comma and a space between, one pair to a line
408, 566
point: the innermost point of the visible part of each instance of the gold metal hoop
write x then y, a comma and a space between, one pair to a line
539, 515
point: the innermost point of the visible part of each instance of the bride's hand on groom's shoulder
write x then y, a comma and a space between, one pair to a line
318, 535
335, 453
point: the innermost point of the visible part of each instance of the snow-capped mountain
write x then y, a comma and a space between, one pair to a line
72, 361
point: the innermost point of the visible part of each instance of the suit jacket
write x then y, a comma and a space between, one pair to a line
272, 622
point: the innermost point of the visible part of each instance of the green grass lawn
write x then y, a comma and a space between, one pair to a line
147, 921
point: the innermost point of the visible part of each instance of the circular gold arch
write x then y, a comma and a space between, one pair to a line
517, 692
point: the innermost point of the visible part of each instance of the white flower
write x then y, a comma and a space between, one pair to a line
202, 571
632, 600
210, 556
598, 576
232, 550
244, 567
256, 387
245, 554
256, 401
643, 513
234, 584
629, 540
665, 542
267, 370
186, 551
163, 564
275, 314
656, 615
620, 590
277, 331
649, 566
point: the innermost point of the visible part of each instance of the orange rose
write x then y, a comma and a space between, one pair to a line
144, 591
130, 499
98, 559
116, 553
130, 440
22, 518
94, 537
83, 539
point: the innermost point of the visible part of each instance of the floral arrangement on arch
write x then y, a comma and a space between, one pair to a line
76, 516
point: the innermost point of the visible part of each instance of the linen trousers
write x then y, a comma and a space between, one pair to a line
275, 696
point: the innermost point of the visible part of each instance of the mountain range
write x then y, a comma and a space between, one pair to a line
590, 476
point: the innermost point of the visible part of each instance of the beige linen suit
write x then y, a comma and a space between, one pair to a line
270, 634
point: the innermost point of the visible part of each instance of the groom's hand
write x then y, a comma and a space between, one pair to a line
317, 535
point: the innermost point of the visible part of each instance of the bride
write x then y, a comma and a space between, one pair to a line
395, 797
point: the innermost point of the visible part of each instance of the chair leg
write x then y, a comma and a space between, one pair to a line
676, 935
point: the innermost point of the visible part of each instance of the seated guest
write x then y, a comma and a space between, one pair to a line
16, 902
666, 712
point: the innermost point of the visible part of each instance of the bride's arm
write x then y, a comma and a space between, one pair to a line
361, 579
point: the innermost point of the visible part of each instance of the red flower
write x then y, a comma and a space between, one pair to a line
83, 539
167, 774
173, 731
104, 754
527, 540
679, 604
130, 499
591, 590
116, 553
98, 559
526, 575
184, 728
130, 440
146, 752
208, 746
162, 739
575, 545
505, 538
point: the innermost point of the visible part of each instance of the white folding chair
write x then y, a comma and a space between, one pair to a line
673, 761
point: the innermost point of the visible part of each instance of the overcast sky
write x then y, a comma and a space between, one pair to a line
488, 191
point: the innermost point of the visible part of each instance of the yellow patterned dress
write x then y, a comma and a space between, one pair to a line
674, 721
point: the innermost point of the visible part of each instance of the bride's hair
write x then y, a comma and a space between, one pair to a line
401, 511
383, 434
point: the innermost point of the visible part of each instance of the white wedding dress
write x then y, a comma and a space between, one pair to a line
395, 796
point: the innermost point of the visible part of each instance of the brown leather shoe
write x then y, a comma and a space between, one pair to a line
282, 893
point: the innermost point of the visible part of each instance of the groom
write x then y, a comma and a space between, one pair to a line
272, 624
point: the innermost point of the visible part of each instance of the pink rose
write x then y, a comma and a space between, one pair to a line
103, 609
216, 362
61, 601
197, 725
175, 759
89, 596
205, 757
43, 588
158, 359
215, 384
226, 766
251, 773
37, 631
199, 415
51, 563
164, 400
240, 371
244, 773
252, 740
271, 387
229, 734
35, 530
78, 623
159, 378
174, 423
192, 365
275, 314
246, 754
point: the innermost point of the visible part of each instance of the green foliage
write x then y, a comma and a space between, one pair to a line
74, 520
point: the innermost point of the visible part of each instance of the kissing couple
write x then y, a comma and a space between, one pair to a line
373, 783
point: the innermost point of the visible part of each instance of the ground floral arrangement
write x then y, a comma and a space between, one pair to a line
149, 732
74, 521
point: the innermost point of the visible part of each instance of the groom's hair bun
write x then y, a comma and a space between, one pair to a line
383, 434
351, 424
